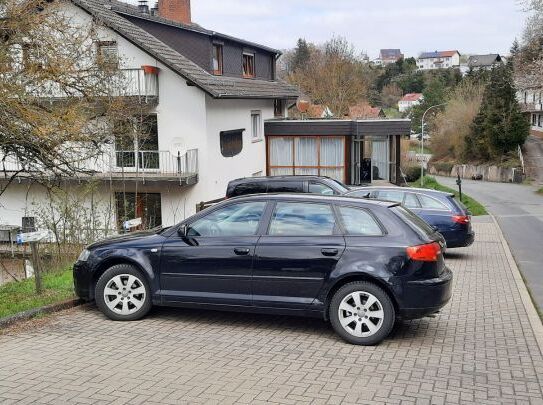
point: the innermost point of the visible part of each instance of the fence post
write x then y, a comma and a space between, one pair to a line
37, 266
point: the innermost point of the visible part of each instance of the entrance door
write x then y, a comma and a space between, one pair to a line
380, 159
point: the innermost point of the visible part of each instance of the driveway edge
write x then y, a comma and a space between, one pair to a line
529, 306
47, 309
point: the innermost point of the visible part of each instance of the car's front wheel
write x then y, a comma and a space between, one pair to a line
362, 313
122, 293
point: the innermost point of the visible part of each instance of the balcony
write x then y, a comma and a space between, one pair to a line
140, 84
131, 166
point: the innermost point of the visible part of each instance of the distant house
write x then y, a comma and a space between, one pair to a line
388, 56
531, 104
364, 111
486, 62
409, 100
438, 60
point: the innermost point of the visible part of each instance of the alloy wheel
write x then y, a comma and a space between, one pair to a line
361, 314
124, 294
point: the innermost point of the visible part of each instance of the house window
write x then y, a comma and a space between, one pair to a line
539, 120
534, 119
146, 206
307, 155
248, 64
108, 54
231, 142
278, 108
217, 59
256, 126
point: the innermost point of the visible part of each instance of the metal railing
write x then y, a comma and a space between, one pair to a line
133, 82
118, 164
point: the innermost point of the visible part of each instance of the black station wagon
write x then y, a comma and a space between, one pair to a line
359, 263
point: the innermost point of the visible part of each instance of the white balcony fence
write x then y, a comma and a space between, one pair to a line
123, 83
124, 164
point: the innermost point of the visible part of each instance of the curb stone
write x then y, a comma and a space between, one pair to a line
529, 306
47, 309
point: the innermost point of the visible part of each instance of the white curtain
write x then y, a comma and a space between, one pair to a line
280, 155
379, 159
333, 154
306, 151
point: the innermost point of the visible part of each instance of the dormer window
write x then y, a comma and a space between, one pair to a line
217, 59
108, 54
248, 65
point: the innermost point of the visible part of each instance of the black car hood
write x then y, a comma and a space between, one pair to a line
127, 237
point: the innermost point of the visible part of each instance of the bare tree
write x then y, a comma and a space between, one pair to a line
333, 77
528, 61
58, 97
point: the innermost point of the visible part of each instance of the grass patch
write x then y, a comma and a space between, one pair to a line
540, 191
473, 206
21, 296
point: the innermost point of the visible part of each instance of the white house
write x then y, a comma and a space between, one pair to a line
209, 95
438, 60
531, 103
409, 100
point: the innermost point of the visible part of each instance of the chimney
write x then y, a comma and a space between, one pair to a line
175, 10
154, 9
143, 7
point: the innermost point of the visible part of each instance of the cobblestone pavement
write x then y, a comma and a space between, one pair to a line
481, 349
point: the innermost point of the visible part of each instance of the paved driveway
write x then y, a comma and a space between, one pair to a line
519, 211
480, 349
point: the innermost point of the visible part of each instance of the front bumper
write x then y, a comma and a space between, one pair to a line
82, 280
425, 297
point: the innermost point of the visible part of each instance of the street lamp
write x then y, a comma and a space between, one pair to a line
422, 142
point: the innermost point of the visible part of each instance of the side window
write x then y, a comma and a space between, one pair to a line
390, 195
285, 187
411, 201
359, 222
319, 188
233, 220
431, 203
249, 188
302, 219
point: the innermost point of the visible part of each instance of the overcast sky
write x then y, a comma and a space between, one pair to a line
471, 26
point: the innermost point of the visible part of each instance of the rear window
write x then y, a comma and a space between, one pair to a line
414, 221
458, 204
342, 188
285, 187
249, 188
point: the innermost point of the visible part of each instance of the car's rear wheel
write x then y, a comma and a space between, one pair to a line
122, 293
362, 313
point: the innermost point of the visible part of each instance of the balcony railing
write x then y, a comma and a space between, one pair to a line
133, 83
126, 165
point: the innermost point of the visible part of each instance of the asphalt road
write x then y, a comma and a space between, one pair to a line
519, 211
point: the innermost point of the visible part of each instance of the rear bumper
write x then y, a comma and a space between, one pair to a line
425, 297
466, 240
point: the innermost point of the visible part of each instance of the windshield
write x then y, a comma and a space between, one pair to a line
414, 221
342, 187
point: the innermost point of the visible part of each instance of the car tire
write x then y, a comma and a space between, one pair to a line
122, 293
362, 313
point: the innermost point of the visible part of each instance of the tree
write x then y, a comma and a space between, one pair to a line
528, 58
390, 95
499, 126
333, 77
453, 124
434, 94
301, 55
57, 97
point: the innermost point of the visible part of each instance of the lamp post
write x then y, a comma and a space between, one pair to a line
422, 141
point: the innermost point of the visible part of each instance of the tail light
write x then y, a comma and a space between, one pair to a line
461, 219
424, 253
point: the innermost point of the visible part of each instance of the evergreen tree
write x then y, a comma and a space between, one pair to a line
499, 127
301, 56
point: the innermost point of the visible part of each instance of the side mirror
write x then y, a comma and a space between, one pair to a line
182, 231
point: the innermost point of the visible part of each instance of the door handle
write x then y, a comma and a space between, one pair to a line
329, 252
241, 251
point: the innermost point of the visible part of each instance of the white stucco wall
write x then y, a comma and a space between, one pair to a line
187, 119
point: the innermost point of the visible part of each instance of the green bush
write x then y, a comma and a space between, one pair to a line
412, 173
